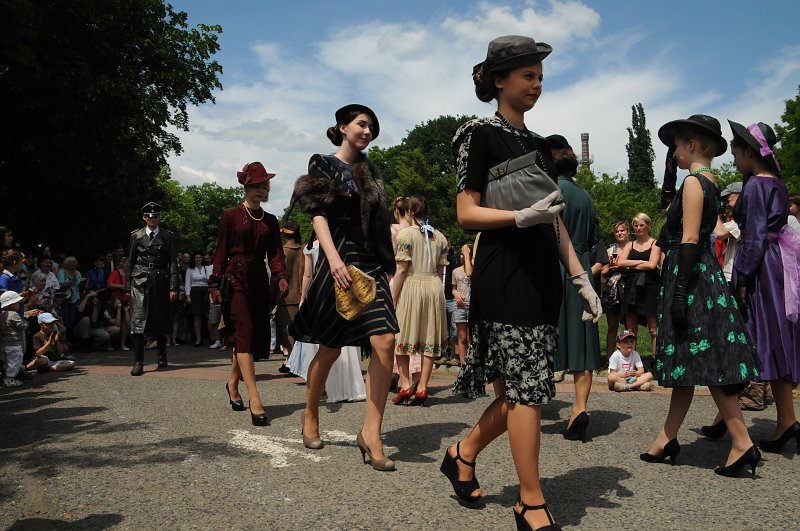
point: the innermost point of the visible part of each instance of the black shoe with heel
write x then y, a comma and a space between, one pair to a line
449, 468
715, 431
671, 450
260, 419
751, 457
577, 430
236, 405
523, 525
776, 446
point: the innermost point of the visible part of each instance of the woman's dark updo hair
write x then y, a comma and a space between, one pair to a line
401, 204
485, 88
335, 134
418, 206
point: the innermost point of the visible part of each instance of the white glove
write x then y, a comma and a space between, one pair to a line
542, 211
591, 302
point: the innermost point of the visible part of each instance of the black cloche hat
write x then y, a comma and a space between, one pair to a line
512, 51
707, 124
341, 116
557, 142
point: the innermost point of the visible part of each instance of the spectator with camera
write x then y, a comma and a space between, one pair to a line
89, 330
727, 229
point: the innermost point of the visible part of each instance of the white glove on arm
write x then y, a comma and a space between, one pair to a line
591, 302
542, 211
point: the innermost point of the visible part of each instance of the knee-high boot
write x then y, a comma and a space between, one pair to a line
161, 345
137, 344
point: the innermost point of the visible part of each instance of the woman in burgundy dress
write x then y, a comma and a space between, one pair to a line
248, 235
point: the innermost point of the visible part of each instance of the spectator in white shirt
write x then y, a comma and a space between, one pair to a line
197, 301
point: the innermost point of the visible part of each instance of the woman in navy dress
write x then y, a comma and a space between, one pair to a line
701, 335
345, 197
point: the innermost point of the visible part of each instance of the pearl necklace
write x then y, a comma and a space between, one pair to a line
247, 209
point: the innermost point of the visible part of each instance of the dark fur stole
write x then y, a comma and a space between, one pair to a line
318, 190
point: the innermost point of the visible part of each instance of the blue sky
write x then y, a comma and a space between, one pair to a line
289, 65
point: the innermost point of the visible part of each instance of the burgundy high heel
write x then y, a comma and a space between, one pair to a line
419, 399
402, 396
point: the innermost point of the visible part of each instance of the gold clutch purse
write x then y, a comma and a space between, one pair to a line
351, 302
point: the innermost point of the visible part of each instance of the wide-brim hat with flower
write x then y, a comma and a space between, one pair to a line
253, 173
760, 137
512, 51
707, 124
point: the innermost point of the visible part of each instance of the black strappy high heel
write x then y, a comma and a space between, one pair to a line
449, 468
523, 525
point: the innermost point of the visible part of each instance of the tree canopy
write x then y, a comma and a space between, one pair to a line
640, 151
789, 136
92, 91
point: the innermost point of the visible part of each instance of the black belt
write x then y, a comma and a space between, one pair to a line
151, 267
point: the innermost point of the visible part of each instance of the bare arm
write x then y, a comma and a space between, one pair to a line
398, 280
307, 274
622, 259
467, 260
471, 215
338, 268
655, 259
692, 210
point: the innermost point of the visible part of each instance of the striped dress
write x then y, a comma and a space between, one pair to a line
318, 321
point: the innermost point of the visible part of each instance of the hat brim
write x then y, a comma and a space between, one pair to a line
518, 61
12, 301
626, 336
557, 142
376, 126
667, 134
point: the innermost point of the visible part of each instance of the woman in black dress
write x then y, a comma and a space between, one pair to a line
516, 279
345, 197
701, 334
640, 258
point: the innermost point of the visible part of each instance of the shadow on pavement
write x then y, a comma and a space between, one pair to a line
94, 521
413, 442
601, 423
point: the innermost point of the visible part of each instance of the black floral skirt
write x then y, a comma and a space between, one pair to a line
520, 356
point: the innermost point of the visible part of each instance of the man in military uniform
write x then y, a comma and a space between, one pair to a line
153, 282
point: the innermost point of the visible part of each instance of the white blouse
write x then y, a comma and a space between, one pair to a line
197, 277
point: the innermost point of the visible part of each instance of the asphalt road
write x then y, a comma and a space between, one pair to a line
96, 448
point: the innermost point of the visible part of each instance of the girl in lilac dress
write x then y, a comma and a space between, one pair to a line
765, 273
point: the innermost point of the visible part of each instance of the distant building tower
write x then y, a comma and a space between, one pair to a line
585, 149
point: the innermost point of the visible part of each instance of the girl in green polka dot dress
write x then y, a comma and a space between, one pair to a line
701, 334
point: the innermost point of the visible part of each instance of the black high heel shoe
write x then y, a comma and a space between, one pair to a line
523, 525
260, 419
577, 430
236, 405
750, 457
449, 468
715, 431
775, 447
671, 450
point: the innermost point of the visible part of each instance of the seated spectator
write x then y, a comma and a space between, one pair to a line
70, 279
51, 285
117, 319
625, 368
96, 278
39, 298
90, 327
51, 352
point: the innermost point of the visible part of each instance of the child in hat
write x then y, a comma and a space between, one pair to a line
51, 353
12, 337
625, 368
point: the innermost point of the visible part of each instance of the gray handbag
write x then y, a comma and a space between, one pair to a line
517, 183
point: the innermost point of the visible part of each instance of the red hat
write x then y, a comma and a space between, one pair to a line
254, 173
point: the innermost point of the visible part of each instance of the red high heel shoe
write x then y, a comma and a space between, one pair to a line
402, 396
419, 398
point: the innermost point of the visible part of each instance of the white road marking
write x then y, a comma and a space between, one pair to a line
280, 449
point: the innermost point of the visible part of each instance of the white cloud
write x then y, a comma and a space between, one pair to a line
277, 112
